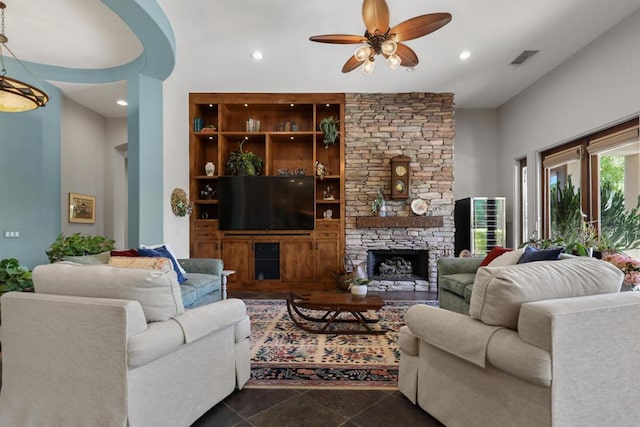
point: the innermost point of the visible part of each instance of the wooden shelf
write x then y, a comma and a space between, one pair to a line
399, 221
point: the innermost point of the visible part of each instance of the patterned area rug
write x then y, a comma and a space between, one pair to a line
285, 356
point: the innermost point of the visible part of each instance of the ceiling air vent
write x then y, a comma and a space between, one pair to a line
526, 54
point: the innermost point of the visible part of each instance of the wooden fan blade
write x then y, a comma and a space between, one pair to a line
407, 55
351, 64
375, 14
339, 39
420, 26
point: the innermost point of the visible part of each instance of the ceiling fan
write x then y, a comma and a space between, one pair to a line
380, 39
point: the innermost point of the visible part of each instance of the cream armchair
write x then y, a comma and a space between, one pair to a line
529, 354
108, 346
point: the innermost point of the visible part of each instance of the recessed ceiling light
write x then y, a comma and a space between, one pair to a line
465, 54
257, 55
122, 102
410, 69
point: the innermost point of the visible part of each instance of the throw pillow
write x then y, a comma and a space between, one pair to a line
149, 263
493, 254
128, 252
532, 254
507, 258
162, 252
101, 258
171, 251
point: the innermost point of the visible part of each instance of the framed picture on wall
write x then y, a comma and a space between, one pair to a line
82, 208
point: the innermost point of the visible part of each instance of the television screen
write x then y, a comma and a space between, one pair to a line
266, 202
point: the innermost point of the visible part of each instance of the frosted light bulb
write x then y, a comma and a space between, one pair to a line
368, 66
389, 47
394, 61
362, 53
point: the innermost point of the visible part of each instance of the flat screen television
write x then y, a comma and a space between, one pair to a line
266, 202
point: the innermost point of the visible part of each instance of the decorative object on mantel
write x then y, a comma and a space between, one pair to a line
209, 168
180, 205
400, 177
329, 127
419, 206
379, 205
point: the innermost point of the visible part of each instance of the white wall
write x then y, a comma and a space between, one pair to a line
83, 149
176, 163
475, 153
597, 87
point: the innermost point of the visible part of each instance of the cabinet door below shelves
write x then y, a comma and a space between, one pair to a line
236, 255
206, 249
327, 261
297, 260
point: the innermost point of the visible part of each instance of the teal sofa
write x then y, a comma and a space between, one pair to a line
204, 277
455, 282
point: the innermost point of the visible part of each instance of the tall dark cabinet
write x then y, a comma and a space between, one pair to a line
480, 224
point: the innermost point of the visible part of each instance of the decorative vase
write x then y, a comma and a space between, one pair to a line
383, 211
209, 168
358, 291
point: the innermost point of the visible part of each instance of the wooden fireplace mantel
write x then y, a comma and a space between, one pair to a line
399, 221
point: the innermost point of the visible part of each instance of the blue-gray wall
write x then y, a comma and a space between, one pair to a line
30, 180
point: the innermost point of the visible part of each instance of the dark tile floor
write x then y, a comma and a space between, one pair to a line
318, 407
310, 408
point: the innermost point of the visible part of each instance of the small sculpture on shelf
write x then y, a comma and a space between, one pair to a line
209, 168
321, 170
208, 192
327, 194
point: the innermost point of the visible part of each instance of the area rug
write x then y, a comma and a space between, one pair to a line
285, 356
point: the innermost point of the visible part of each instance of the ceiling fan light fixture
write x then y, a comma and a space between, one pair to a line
368, 66
389, 47
362, 53
15, 95
394, 61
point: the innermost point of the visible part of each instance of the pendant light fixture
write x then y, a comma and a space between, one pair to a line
17, 96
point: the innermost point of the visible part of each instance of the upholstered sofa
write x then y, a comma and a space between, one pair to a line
203, 276
549, 343
98, 345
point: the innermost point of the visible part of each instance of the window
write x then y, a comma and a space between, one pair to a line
593, 184
523, 201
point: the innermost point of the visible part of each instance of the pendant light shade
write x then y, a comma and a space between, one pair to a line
15, 95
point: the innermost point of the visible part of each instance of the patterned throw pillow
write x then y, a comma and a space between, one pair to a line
162, 252
147, 263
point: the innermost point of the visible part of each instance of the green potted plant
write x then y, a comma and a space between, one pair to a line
78, 245
14, 277
329, 127
379, 205
244, 162
358, 287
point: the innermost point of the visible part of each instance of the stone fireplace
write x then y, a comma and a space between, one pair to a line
379, 127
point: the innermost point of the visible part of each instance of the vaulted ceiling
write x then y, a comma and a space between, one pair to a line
215, 39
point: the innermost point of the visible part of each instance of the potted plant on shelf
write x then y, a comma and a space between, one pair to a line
379, 205
244, 162
329, 127
358, 287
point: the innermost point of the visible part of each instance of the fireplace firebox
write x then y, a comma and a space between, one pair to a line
398, 264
